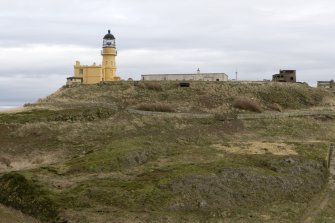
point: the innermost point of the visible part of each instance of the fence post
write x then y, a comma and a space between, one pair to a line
330, 154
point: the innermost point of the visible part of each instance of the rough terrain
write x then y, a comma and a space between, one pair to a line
323, 204
79, 155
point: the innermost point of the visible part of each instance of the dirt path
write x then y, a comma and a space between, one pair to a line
320, 202
285, 114
242, 116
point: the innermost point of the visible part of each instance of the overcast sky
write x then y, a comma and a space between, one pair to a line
41, 39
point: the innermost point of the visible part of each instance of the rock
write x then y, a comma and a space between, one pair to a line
202, 204
290, 160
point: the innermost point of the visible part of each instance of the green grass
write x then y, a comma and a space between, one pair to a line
292, 127
69, 115
151, 190
125, 194
316, 151
327, 215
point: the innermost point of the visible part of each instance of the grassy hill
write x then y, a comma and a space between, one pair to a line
200, 97
80, 155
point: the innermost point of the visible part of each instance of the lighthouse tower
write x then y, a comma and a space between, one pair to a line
108, 58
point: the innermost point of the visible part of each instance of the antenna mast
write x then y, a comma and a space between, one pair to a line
236, 74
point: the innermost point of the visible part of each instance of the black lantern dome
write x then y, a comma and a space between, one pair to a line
109, 35
109, 40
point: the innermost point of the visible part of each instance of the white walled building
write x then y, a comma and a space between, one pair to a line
185, 77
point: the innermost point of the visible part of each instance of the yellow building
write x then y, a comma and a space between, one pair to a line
92, 74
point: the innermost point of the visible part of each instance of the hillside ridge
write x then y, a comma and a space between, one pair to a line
84, 157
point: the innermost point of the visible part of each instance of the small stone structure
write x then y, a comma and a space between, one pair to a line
185, 77
328, 85
184, 84
73, 80
285, 76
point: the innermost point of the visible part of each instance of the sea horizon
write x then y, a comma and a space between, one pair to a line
6, 107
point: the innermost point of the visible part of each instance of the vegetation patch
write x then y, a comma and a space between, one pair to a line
92, 162
69, 115
156, 107
133, 195
18, 192
150, 86
291, 95
122, 155
247, 104
303, 128
276, 107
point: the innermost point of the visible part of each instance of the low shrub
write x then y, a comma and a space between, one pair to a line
158, 107
150, 86
247, 104
276, 107
28, 105
32, 129
5, 161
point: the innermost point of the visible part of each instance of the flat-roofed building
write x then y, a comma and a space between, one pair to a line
328, 85
285, 76
185, 77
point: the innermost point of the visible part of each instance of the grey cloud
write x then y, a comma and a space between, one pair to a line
256, 37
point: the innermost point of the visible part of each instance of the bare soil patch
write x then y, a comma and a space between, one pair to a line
34, 160
256, 148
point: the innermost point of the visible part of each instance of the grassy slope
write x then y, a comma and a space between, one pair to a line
94, 161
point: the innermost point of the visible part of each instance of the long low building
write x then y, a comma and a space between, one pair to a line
328, 85
185, 77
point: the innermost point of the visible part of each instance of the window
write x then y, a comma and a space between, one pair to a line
81, 71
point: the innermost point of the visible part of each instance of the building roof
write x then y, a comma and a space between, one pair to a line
288, 70
183, 74
326, 82
109, 35
73, 78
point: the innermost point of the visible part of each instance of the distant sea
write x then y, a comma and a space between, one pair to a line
6, 107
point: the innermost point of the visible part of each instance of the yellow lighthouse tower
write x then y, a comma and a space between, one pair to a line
108, 58
93, 74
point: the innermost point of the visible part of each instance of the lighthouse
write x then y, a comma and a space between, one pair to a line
108, 58
93, 74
